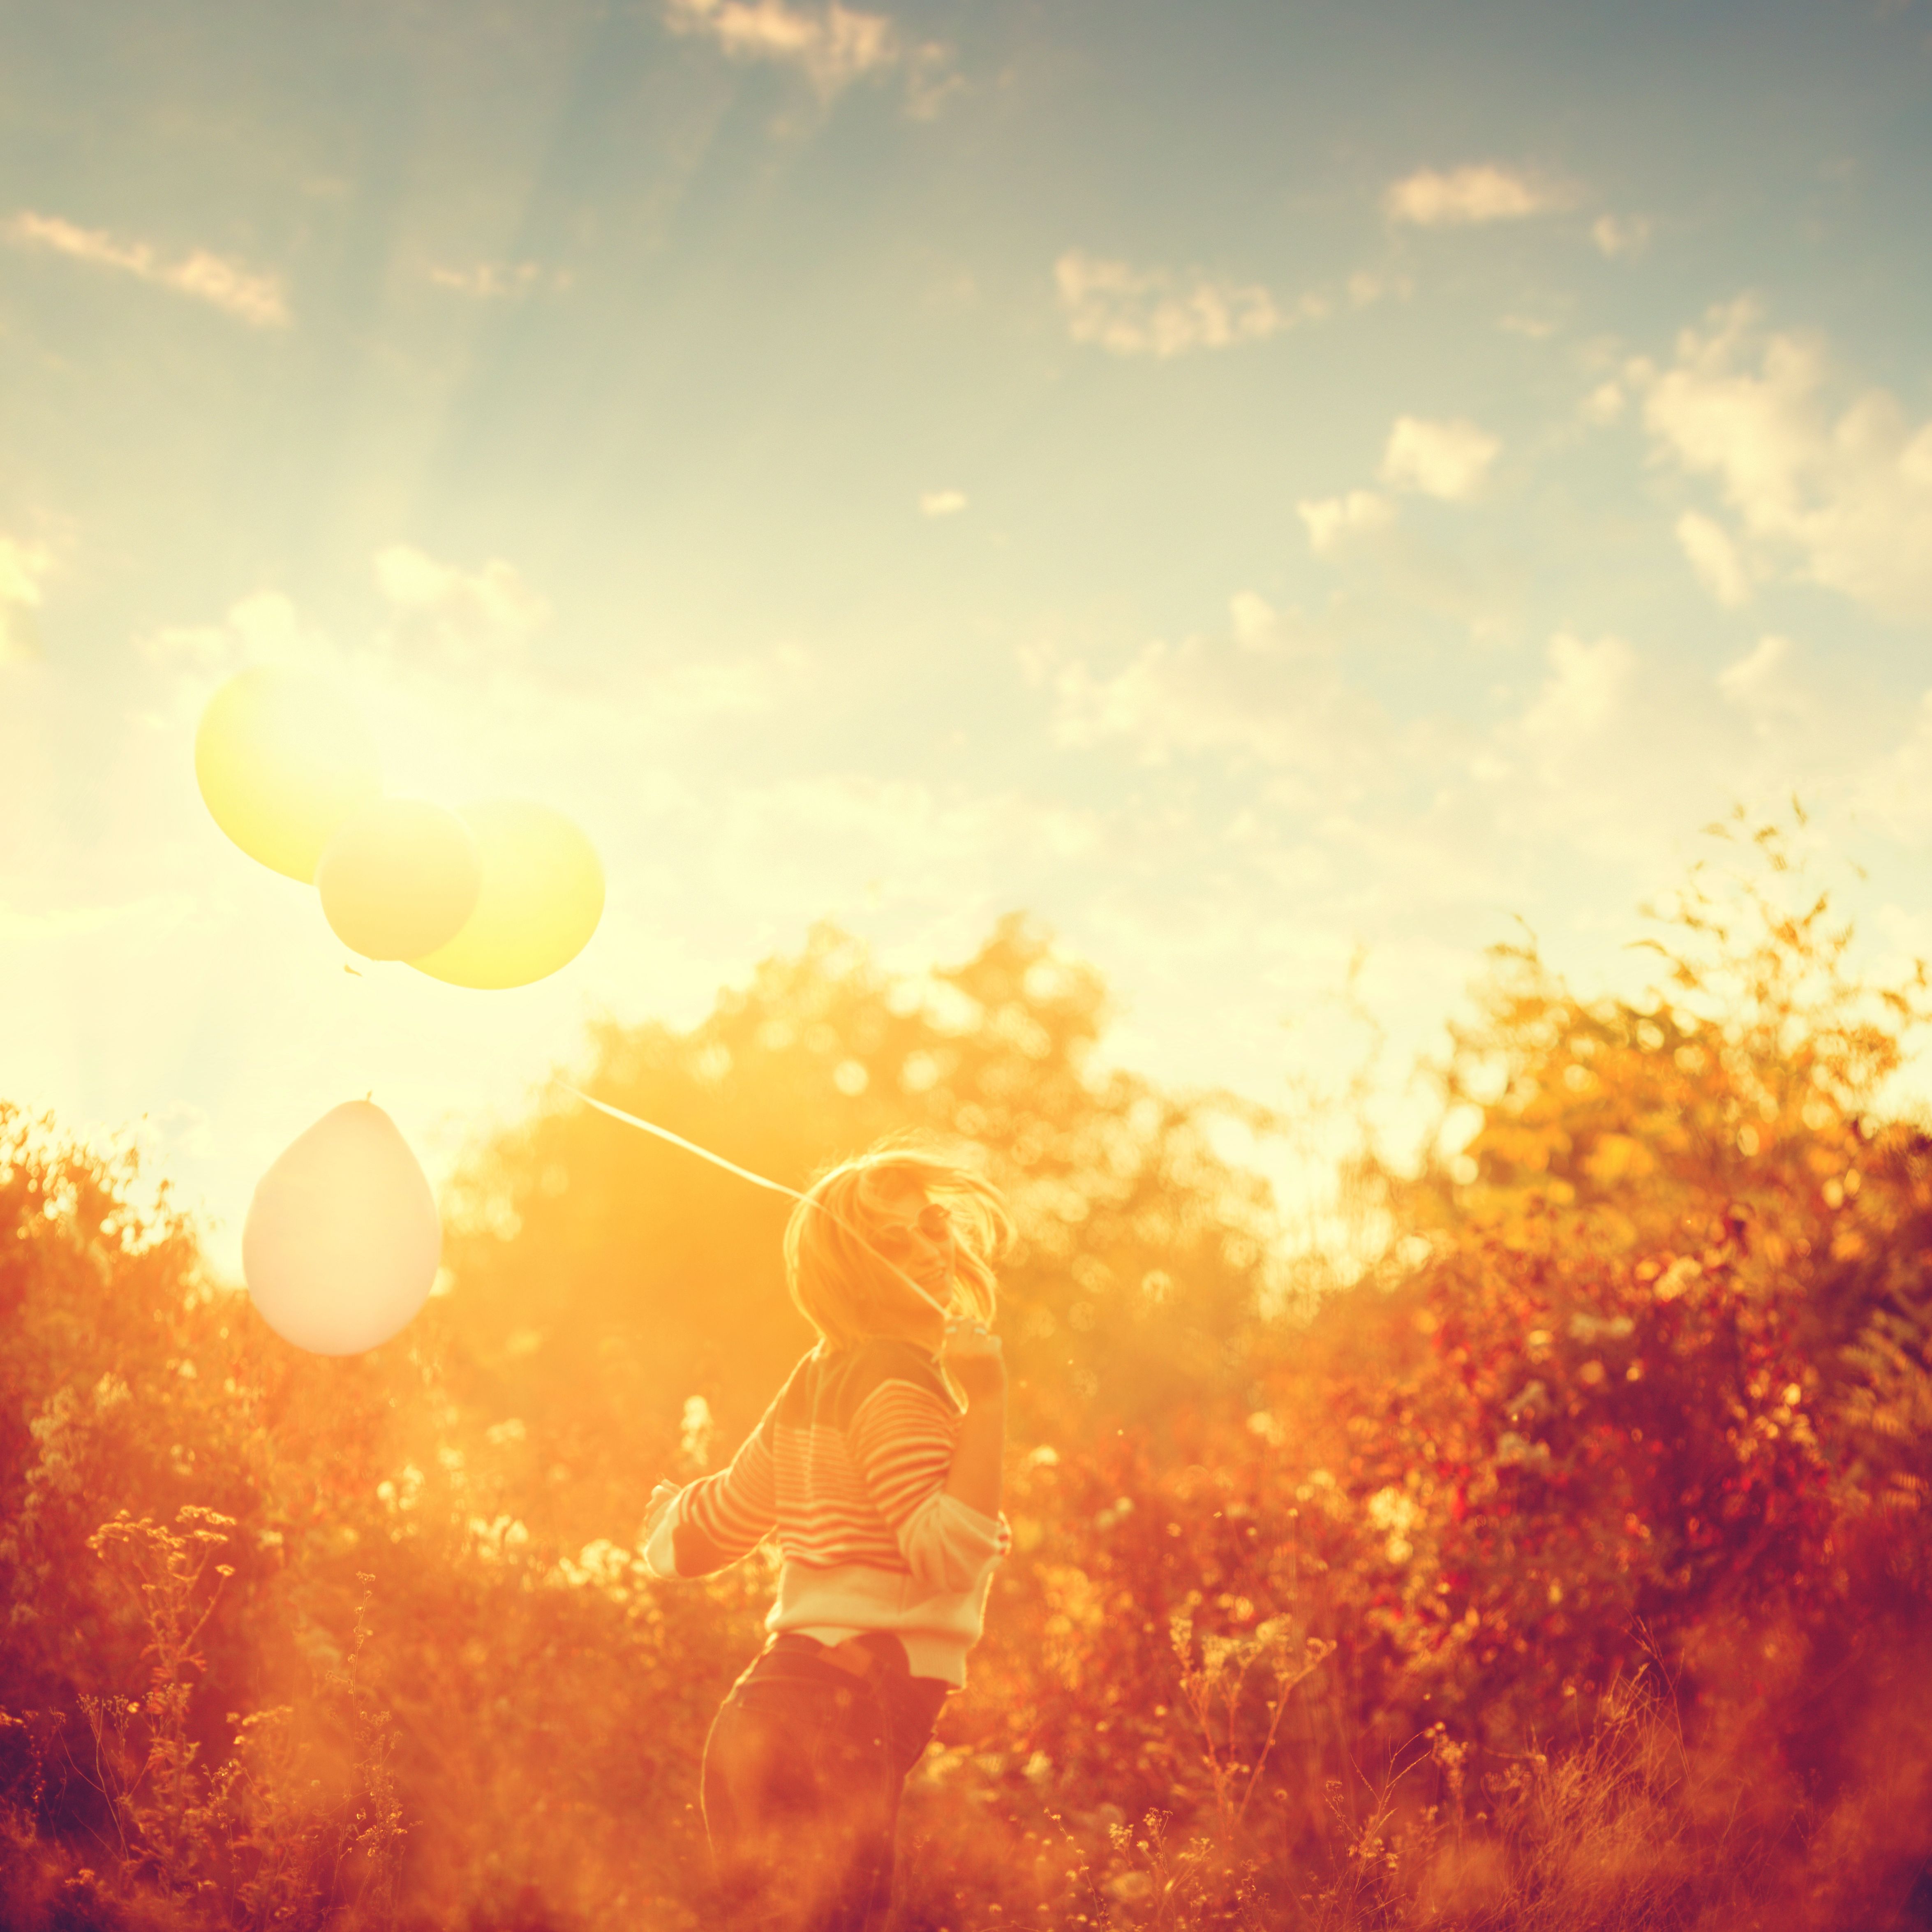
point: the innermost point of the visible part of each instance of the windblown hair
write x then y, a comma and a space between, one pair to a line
840, 1285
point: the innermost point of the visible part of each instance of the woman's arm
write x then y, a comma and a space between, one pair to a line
973, 1359
931, 1473
719, 1519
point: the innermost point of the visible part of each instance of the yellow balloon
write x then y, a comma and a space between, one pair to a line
542, 896
342, 1242
282, 759
400, 878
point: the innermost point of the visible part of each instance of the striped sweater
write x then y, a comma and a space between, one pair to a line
849, 1466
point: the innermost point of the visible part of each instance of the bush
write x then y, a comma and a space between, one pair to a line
1567, 1568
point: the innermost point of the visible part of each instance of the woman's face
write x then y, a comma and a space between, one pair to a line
913, 1233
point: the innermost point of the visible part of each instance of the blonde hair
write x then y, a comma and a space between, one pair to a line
840, 1284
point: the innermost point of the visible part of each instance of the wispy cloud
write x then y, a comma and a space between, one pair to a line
1269, 690
1531, 327
255, 298
1617, 235
1334, 521
1715, 558
498, 281
1468, 196
1133, 311
1604, 404
1843, 489
1602, 748
942, 503
454, 654
734, 687
263, 628
1449, 459
1896, 788
831, 46
20, 929
1130, 311
1582, 695
1760, 683
462, 618
794, 842
22, 566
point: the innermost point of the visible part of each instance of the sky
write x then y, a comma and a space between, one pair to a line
1287, 494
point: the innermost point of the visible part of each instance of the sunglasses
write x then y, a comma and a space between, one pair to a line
894, 1239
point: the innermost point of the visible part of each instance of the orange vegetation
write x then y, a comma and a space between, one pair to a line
1568, 1568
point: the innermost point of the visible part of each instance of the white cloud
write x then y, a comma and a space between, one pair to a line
1466, 197
1370, 285
1269, 691
798, 838
1582, 695
1897, 789
1449, 459
1606, 751
1605, 404
256, 299
1615, 754
498, 281
20, 929
734, 687
1759, 682
832, 46
449, 677
1715, 558
464, 618
263, 628
1131, 311
1334, 521
1616, 235
1253, 621
930, 79
22, 566
942, 503
1843, 490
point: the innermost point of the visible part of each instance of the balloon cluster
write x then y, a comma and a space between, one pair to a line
342, 1243
499, 894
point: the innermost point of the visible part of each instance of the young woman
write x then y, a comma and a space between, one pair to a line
878, 1464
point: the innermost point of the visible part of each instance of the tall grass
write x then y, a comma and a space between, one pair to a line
298, 1825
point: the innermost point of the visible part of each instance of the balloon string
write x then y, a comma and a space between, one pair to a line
756, 1180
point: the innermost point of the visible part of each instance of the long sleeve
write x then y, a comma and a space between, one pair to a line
720, 1518
901, 1438
849, 1465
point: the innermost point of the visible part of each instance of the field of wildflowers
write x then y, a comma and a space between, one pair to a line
1565, 1565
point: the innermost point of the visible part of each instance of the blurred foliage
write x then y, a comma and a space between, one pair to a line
604, 1278
1567, 1568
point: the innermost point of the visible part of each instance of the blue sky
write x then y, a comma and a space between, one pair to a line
1248, 483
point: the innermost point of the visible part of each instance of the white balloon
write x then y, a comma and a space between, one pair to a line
342, 1242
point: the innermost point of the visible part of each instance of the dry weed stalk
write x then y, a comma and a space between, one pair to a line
249, 1844
1213, 1690
160, 1832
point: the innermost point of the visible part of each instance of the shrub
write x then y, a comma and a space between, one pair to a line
1567, 1568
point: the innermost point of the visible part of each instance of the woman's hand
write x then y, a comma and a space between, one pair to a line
972, 1357
662, 1497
